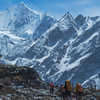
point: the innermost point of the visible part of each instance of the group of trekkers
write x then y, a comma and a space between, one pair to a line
67, 89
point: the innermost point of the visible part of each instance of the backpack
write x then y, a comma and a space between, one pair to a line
51, 85
79, 88
68, 86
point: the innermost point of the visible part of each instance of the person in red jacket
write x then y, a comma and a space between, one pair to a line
79, 91
51, 88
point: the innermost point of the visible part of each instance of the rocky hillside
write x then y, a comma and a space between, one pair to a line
19, 83
20, 76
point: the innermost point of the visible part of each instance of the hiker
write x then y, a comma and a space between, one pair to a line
79, 91
0, 56
95, 87
51, 88
62, 90
68, 89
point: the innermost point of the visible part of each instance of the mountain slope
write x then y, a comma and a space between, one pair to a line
23, 21
19, 19
58, 50
59, 58
19, 27
45, 24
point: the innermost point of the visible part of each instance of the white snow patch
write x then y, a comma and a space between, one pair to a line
51, 48
95, 78
90, 24
48, 71
67, 67
53, 27
71, 77
89, 79
43, 66
8, 33
29, 31
24, 61
80, 31
89, 39
77, 62
85, 46
43, 58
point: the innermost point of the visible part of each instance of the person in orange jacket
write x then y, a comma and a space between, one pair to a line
68, 88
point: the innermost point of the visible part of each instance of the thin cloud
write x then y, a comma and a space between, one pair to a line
58, 8
84, 2
91, 11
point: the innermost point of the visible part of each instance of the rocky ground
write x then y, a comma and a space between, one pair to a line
23, 83
20, 83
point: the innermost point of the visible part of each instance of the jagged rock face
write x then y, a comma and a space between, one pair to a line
56, 35
75, 49
80, 20
44, 25
19, 83
64, 49
20, 76
69, 58
84, 56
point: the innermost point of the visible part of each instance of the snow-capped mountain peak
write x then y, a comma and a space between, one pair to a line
24, 21
67, 21
19, 18
66, 17
23, 6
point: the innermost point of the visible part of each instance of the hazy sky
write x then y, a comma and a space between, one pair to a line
57, 8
